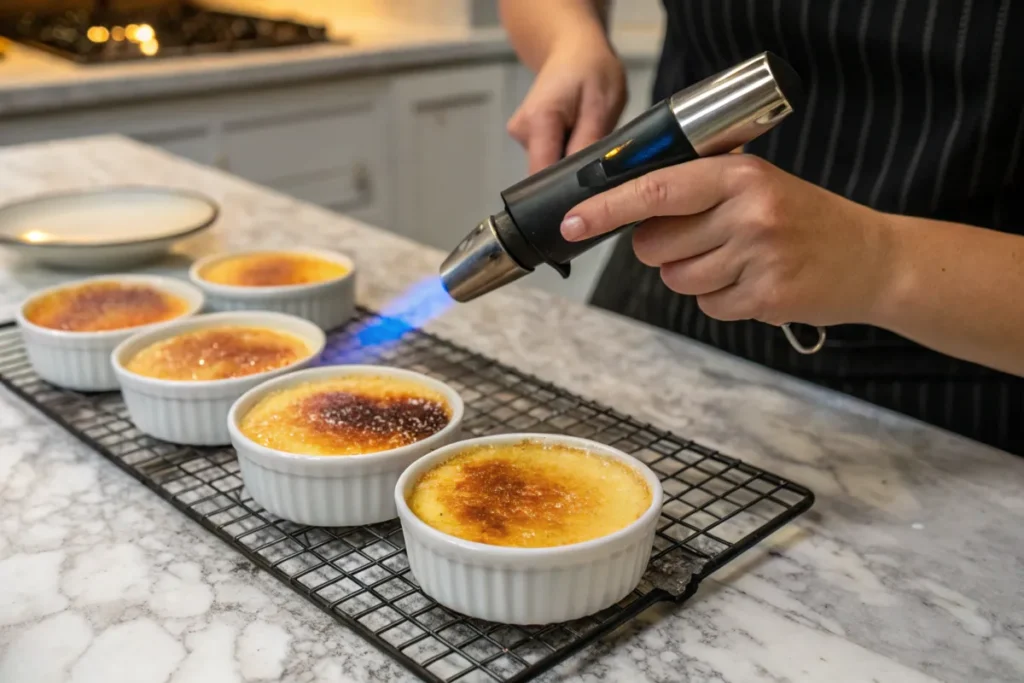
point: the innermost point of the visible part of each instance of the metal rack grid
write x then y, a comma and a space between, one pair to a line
716, 507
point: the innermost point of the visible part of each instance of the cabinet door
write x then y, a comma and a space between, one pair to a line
322, 145
449, 132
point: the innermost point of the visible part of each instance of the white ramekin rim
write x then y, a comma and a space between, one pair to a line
483, 551
279, 291
191, 294
270, 456
307, 331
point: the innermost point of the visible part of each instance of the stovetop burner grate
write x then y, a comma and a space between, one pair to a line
179, 29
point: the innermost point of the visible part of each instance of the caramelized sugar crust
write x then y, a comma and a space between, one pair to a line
529, 495
272, 270
102, 306
352, 415
218, 353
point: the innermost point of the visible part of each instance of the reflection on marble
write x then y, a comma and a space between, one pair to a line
908, 568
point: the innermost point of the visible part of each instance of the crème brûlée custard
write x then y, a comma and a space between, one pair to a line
218, 353
529, 495
272, 269
104, 306
347, 415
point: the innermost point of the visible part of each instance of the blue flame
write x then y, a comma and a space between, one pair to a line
410, 310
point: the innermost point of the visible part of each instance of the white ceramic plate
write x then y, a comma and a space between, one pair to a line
103, 228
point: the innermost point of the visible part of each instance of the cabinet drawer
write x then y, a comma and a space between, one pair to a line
344, 189
300, 143
191, 144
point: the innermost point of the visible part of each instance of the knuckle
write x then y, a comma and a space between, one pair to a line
652, 190
516, 127
743, 171
765, 213
716, 306
768, 302
645, 247
682, 277
720, 306
674, 277
604, 212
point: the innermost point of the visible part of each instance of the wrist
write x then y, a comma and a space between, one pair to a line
896, 278
587, 40
564, 29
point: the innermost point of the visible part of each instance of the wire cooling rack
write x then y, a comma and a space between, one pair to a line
716, 507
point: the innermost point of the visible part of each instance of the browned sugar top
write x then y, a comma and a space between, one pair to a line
371, 423
273, 269
496, 495
353, 414
218, 353
529, 494
100, 306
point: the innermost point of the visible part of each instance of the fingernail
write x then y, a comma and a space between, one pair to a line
573, 228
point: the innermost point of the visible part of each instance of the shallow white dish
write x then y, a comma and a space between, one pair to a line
103, 228
329, 304
81, 360
527, 586
344, 490
195, 413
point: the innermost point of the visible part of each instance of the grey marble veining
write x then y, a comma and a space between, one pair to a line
908, 568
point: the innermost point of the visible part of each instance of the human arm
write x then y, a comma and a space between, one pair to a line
580, 84
753, 242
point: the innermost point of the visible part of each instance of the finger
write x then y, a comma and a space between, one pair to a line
681, 190
727, 304
594, 123
704, 274
546, 141
658, 241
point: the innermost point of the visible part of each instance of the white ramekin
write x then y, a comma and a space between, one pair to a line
527, 586
195, 413
329, 304
329, 490
81, 360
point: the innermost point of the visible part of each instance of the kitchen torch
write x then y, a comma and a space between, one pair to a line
714, 116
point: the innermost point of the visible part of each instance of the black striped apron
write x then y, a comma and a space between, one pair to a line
913, 106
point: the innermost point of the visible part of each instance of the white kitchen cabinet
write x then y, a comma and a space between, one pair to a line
323, 144
170, 127
449, 129
190, 142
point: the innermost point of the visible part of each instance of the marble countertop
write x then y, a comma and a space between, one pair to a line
33, 81
907, 569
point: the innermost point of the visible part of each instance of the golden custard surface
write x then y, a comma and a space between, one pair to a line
102, 306
218, 353
351, 415
272, 270
529, 495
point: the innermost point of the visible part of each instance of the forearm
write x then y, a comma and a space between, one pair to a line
957, 289
536, 26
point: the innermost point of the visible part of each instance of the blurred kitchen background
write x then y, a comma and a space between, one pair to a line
391, 111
